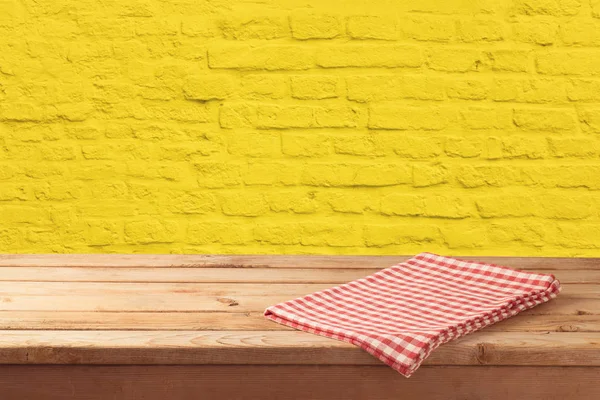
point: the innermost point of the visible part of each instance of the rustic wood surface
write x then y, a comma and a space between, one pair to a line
179, 309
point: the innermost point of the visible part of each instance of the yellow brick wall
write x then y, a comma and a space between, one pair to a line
300, 126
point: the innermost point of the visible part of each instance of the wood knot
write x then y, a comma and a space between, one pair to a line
568, 328
229, 302
484, 353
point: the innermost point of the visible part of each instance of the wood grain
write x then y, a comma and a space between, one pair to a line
184, 321
195, 310
223, 275
566, 305
283, 347
295, 382
197, 275
236, 321
270, 261
173, 297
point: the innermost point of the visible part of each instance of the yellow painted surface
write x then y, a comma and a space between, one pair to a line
300, 126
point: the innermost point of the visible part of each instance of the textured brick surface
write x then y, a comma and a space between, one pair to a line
373, 127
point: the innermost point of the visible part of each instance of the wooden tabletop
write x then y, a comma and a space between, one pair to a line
186, 309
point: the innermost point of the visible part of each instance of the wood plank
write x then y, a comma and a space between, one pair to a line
192, 275
86, 296
271, 261
548, 323
186, 321
94, 296
283, 347
235, 297
295, 382
566, 305
223, 275
202, 321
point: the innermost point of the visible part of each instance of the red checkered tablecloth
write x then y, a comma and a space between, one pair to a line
402, 313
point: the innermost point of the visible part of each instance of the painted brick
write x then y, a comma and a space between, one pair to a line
529, 233
569, 62
529, 90
286, 117
577, 235
480, 117
403, 204
358, 145
463, 147
315, 87
445, 206
238, 115
372, 27
391, 87
465, 236
564, 176
338, 117
537, 30
351, 55
305, 144
191, 202
340, 175
207, 232
524, 147
583, 89
307, 25
411, 145
272, 173
385, 235
218, 174
589, 119
458, 59
547, 7
468, 89
327, 234
245, 27
254, 204
202, 27
480, 30
208, 87
386, 116
462, 127
474, 176
267, 57
347, 202
510, 60
254, 144
292, 201
506, 206
544, 119
429, 175
574, 147
149, 231
428, 28
263, 86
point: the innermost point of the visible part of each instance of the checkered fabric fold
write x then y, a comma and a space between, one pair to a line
402, 313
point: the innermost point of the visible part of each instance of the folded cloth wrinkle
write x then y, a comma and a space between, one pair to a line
402, 313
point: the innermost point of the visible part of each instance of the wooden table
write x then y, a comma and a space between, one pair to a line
191, 327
